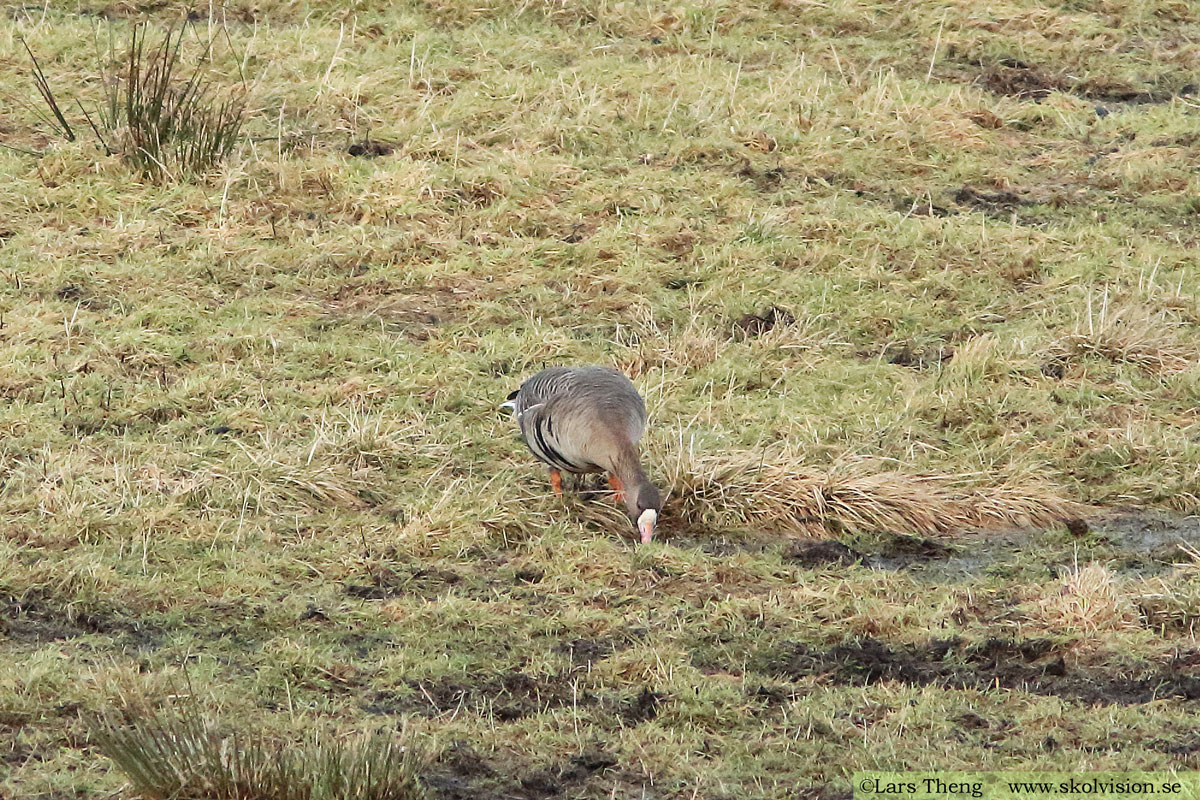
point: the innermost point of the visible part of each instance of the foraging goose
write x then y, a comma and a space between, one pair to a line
589, 419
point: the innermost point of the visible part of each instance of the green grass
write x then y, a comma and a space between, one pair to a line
249, 441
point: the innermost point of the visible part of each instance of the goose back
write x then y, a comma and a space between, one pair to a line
581, 419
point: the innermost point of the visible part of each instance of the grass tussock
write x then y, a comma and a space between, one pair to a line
745, 490
162, 110
1089, 601
169, 757
1132, 333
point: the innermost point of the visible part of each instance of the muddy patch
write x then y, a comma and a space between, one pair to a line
462, 773
1146, 543
1032, 665
529, 576
822, 553
1148, 532
1109, 91
994, 202
505, 697
1142, 543
416, 313
921, 206
913, 355
765, 180
1015, 78
901, 551
585, 652
370, 148
642, 708
950, 202
749, 326
1002, 553
35, 617
553, 781
385, 583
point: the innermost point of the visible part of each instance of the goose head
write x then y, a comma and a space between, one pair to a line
643, 506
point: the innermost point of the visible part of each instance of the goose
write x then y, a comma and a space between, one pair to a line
589, 419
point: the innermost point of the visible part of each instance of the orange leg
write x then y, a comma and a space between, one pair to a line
617, 487
556, 482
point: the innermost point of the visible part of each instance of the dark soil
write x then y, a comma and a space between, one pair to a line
773, 696
1014, 78
1077, 527
1032, 665
901, 551
585, 652
528, 575
369, 148
821, 553
554, 780
765, 180
386, 583
19, 753
988, 201
751, 325
1110, 92
314, 614
70, 292
507, 697
907, 354
84, 296
36, 617
1055, 369
642, 708
461, 773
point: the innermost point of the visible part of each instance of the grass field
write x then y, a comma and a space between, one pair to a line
918, 278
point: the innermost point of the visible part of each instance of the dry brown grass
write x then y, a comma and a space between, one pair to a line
743, 490
1089, 603
1131, 332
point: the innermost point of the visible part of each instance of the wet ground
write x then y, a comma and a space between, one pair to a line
1142, 542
